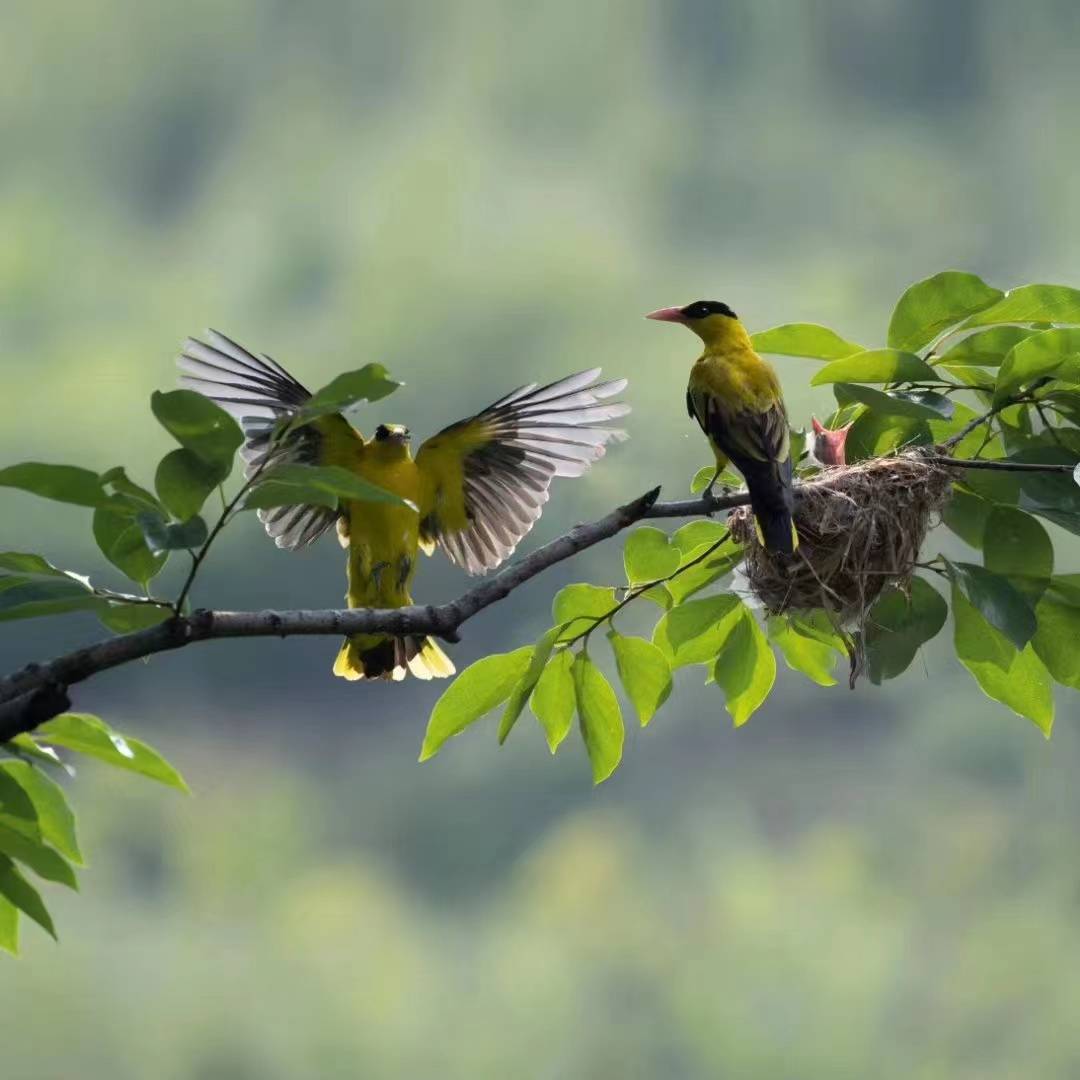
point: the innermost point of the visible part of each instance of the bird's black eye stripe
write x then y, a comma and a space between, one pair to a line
701, 309
382, 432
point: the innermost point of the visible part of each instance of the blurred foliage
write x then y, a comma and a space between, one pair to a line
478, 191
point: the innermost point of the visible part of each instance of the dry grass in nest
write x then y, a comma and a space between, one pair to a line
860, 528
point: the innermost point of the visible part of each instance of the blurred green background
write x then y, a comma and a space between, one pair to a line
477, 193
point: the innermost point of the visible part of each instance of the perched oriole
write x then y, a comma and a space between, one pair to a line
735, 397
479, 485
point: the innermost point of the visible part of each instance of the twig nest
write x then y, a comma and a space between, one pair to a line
860, 528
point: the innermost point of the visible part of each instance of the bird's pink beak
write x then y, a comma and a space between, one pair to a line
667, 314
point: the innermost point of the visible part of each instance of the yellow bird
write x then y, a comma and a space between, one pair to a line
479, 484
735, 397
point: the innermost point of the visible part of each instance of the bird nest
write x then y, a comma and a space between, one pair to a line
860, 528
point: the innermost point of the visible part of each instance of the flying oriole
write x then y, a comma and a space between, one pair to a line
735, 397
479, 485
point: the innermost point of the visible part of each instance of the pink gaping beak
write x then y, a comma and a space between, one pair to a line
667, 314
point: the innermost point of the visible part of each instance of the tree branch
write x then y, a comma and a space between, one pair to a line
39, 692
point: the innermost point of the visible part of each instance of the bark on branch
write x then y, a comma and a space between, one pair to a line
39, 692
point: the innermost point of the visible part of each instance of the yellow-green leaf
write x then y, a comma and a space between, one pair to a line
932, 305
553, 701
746, 668
599, 717
644, 672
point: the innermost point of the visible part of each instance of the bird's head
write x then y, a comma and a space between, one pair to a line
712, 320
829, 443
392, 435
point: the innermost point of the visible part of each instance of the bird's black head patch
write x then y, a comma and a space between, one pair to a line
702, 309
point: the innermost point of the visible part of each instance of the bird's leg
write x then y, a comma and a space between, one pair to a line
707, 492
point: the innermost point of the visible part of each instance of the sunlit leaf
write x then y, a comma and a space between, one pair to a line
804, 339
987, 347
55, 822
745, 668
704, 565
16, 889
579, 606
1033, 304
899, 625
931, 306
812, 657
553, 700
702, 478
644, 672
1016, 678
876, 366
369, 383
648, 555
473, 694
90, 735
63, 483
599, 717
124, 618
694, 632
1055, 640
695, 534
875, 434
132, 493
1048, 353
321, 485
37, 856
9, 927
527, 683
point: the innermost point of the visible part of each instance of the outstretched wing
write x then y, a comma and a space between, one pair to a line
485, 480
259, 392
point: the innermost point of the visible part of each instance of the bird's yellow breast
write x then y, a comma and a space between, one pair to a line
737, 378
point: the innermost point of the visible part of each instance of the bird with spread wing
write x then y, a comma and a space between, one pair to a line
478, 485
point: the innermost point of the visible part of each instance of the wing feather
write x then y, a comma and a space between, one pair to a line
486, 479
259, 392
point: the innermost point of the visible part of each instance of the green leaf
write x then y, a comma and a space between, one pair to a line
90, 735
702, 477
55, 822
694, 632
9, 927
648, 556
874, 434
124, 618
553, 701
26, 563
804, 339
713, 566
369, 383
1016, 678
746, 668
1048, 353
997, 599
1058, 615
43, 860
183, 481
801, 652
473, 694
876, 366
161, 536
122, 542
919, 404
644, 672
200, 426
986, 348
1033, 304
966, 514
899, 625
15, 888
134, 495
29, 598
320, 485
526, 684
63, 483
599, 717
696, 534
579, 605
931, 306
1016, 546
